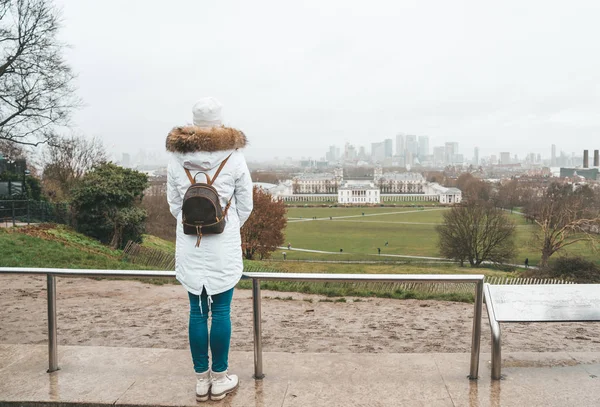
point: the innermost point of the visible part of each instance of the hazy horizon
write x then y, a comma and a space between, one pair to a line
508, 76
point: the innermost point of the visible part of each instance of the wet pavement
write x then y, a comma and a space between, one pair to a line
93, 376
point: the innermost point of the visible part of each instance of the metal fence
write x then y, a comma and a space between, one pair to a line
13, 212
524, 281
476, 282
159, 259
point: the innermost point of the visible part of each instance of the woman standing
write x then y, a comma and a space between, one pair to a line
210, 271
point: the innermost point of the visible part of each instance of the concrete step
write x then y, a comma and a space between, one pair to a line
100, 376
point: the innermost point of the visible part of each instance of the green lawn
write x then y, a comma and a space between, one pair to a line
408, 231
153, 242
57, 247
350, 211
408, 268
61, 247
411, 203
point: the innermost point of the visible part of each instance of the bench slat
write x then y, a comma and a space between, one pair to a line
546, 302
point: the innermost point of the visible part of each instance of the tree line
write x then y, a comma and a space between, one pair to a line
479, 229
37, 98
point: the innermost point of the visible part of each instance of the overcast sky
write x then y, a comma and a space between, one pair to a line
512, 75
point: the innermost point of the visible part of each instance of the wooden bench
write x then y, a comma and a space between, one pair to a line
537, 303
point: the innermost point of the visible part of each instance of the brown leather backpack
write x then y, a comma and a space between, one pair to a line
201, 209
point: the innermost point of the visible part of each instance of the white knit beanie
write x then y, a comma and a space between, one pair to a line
207, 113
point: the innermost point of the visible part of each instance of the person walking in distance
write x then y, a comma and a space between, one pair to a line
527, 262
209, 266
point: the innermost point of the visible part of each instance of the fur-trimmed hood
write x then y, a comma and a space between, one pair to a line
191, 139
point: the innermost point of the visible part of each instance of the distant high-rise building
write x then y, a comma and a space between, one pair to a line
333, 154
451, 149
389, 147
553, 156
411, 145
504, 158
476, 156
493, 159
423, 146
349, 152
400, 145
438, 155
362, 153
562, 160
378, 151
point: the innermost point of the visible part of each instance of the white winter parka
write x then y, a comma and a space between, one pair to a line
217, 264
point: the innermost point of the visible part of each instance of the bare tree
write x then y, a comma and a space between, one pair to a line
67, 161
477, 232
11, 151
160, 222
473, 188
565, 216
36, 84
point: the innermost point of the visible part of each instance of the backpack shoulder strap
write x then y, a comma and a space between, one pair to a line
189, 176
219, 170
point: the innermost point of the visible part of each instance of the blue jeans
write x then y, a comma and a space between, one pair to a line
220, 330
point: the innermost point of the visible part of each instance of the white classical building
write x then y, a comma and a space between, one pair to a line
446, 195
323, 183
388, 187
401, 183
358, 192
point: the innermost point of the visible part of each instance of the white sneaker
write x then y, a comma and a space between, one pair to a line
222, 383
202, 385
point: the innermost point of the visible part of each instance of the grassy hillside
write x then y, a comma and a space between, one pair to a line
153, 242
57, 247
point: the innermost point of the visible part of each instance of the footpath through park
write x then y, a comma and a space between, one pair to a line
295, 220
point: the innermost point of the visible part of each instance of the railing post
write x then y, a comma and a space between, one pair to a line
28, 217
256, 298
476, 339
52, 342
13, 213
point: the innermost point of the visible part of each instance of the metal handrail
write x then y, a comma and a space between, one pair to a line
256, 277
86, 272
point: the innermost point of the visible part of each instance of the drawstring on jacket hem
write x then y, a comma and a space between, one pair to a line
209, 301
